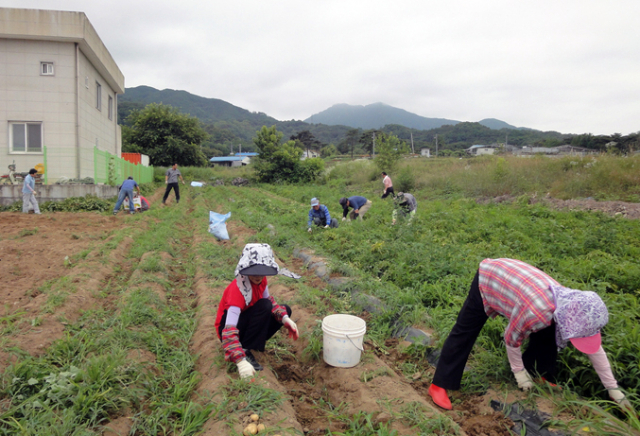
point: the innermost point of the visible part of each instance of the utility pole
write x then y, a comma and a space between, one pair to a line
436, 145
240, 147
231, 149
373, 145
413, 151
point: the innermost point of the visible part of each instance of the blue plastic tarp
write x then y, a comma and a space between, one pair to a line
218, 226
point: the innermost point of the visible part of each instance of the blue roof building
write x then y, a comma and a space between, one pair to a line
230, 161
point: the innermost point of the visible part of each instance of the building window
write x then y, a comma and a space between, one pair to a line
46, 68
25, 137
110, 108
98, 96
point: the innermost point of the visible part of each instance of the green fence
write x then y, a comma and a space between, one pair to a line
113, 170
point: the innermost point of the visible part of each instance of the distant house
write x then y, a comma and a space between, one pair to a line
478, 149
58, 94
310, 153
230, 161
425, 152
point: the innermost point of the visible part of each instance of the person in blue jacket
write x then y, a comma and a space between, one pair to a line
126, 191
359, 204
319, 215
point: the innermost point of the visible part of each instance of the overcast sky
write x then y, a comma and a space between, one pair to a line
567, 65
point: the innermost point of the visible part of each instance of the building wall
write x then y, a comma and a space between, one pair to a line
481, 151
97, 128
26, 95
66, 107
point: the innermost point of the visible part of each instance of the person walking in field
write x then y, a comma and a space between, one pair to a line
537, 307
319, 215
29, 193
388, 185
248, 316
405, 205
126, 191
359, 204
171, 179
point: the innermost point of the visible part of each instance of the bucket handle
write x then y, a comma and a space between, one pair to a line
361, 349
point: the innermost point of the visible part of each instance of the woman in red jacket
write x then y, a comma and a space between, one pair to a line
248, 316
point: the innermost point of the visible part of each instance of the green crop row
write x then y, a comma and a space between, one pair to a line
423, 271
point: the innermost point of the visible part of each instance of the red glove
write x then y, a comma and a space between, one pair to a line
292, 327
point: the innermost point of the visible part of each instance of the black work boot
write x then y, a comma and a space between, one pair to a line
252, 360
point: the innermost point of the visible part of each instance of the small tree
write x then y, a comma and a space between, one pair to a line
328, 151
166, 135
281, 162
389, 150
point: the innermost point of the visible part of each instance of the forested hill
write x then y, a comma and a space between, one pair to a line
208, 110
230, 127
375, 116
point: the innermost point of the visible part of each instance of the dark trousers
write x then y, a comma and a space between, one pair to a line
321, 222
540, 356
176, 188
389, 191
256, 325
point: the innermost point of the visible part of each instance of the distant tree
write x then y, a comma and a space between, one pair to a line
328, 151
307, 141
366, 139
585, 141
165, 135
281, 162
350, 142
125, 108
389, 150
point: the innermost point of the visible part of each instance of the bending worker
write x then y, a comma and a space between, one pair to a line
537, 307
248, 316
406, 205
319, 215
359, 204
388, 185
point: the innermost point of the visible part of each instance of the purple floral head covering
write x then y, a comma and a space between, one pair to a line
578, 314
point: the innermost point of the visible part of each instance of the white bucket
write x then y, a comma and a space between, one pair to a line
342, 340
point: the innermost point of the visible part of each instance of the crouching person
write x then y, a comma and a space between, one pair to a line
405, 205
248, 316
320, 216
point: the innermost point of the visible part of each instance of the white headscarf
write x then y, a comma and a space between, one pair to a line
257, 254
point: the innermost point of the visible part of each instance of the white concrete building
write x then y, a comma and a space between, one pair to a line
58, 93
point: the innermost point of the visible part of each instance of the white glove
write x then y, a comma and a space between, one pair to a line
166, 182
291, 326
344, 218
245, 369
618, 396
524, 380
326, 227
309, 230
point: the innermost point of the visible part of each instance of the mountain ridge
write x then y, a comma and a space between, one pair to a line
377, 115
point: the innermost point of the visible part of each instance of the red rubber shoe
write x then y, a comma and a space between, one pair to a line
553, 385
440, 397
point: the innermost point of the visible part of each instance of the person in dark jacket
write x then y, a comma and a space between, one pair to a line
359, 204
319, 215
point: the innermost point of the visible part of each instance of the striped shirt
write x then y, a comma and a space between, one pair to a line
519, 292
